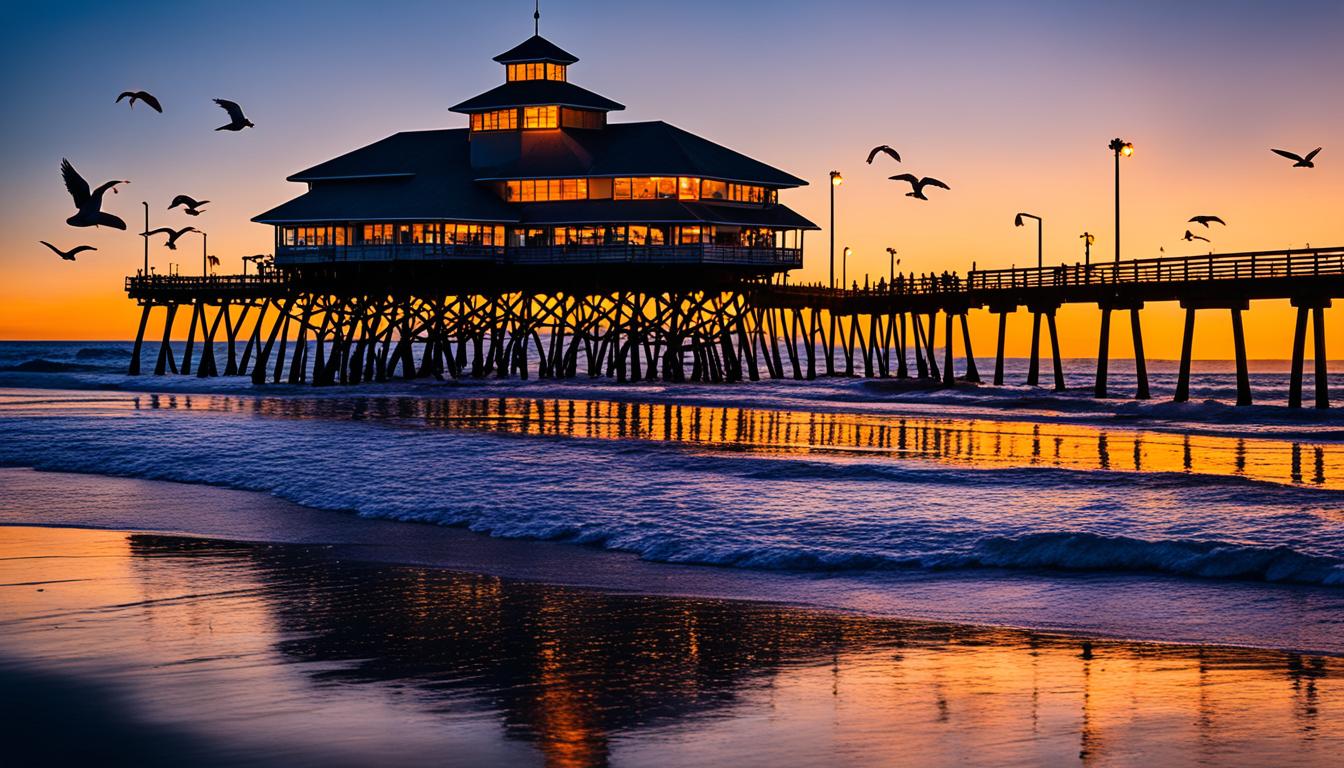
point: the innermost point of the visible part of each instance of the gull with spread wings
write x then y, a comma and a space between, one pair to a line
917, 184
89, 203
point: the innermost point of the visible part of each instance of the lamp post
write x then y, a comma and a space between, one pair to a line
891, 254
1017, 222
1088, 240
844, 267
145, 235
1119, 147
204, 272
836, 180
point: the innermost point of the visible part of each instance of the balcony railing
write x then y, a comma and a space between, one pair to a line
696, 253
1304, 262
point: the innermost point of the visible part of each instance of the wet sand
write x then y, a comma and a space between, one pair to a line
173, 648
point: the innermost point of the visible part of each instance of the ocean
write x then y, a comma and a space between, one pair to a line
844, 492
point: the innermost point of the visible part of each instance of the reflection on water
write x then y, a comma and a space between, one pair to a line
288, 650
964, 442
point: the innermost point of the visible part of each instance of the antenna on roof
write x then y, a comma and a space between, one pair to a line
536, 18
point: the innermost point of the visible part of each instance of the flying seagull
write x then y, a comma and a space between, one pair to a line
1298, 160
144, 96
237, 121
1206, 219
883, 148
191, 204
90, 204
70, 254
1191, 236
213, 259
173, 235
919, 184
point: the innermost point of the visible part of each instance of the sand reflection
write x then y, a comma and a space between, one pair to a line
280, 641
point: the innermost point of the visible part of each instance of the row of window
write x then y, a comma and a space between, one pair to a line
494, 235
635, 188
536, 71
537, 117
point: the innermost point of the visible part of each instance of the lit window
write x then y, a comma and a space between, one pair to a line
600, 189
642, 189
497, 120
620, 189
667, 186
541, 117
713, 190
688, 188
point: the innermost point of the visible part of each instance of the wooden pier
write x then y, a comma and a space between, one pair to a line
639, 323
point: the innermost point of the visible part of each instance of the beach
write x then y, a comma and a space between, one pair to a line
497, 573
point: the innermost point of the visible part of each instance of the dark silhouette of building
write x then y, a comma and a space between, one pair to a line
540, 177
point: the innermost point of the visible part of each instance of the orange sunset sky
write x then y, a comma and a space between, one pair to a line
1011, 105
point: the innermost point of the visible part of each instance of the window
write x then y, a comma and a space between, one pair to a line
542, 190
620, 189
600, 189
582, 118
312, 237
642, 189
667, 187
688, 188
541, 117
378, 234
713, 190
497, 120
536, 71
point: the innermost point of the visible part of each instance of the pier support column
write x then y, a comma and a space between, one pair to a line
1187, 345
1140, 362
1103, 353
921, 367
949, 370
1243, 374
165, 350
196, 310
1054, 349
1318, 334
998, 355
1299, 352
1034, 365
139, 341
902, 371
972, 372
930, 338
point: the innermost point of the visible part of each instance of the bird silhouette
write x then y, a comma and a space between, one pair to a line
1298, 160
1191, 236
213, 260
1206, 219
90, 204
70, 254
191, 204
172, 234
237, 121
883, 148
147, 98
917, 184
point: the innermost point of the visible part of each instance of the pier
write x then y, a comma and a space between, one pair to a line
646, 321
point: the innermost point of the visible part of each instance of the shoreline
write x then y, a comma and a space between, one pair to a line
254, 518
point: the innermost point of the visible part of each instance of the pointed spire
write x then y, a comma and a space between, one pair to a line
536, 17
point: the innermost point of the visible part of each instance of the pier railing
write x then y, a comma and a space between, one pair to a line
1303, 262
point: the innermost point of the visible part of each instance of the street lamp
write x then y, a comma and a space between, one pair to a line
844, 267
1119, 147
1017, 222
1088, 240
145, 234
204, 258
891, 253
836, 180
